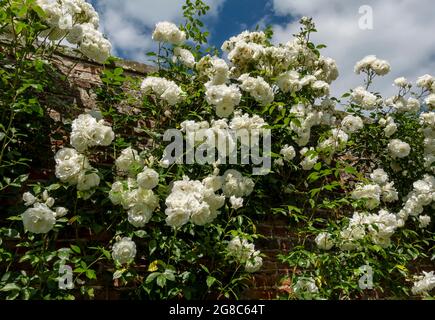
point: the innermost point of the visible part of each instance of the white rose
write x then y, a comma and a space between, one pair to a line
430, 100
401, 82
38, 219
201, 215
379, 176
413, 105
28, 199
115, 194
68, 170
224, 110
176, 217
88, 181
424, 221
288, 152
323, 241
139, 215
49, 202
254, 264
61, 211
148, 178
79, 141
127, 158
398, 148
236, 202
352, 124
213, 182
102, 135
390, 129
124, 251
65, 154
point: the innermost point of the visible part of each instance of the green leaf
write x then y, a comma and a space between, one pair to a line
161, 280
140, 233
210, 281
75, 248
152, 276
10, 287
351, 170
91, 274
169, 275
203, 267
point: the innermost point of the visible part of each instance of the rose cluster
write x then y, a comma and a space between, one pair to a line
77, 22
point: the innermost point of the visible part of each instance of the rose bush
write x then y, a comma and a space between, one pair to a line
353, 175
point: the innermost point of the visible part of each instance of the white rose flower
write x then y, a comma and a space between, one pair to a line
39, 219
254, 263
424, 221
102, 135
305, 286
223, 97
49, 202
124, 250
65, 154
413, 105
389, 193
425, 81
88, 181
425, 283
390, 129
165, 89
379, 176
168, 32
398, 148
94, 45
401, 82
201, 214
381, 67
309, 161
236, 203
430, 100
115, 194
127, 158
288, 152
213, 182
176, 217
28, 199
184, 56
323, 241
351, 124
278, 162
68, 170
148, 178
139, 215
61, 211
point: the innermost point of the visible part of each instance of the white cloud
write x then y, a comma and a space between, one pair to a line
129, 23
402, 34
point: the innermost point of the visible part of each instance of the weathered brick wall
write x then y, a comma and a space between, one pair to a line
76, 94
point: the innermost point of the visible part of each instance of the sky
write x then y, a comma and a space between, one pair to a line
402, 31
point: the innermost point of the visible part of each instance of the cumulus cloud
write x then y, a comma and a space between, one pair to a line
402, 34
129, 23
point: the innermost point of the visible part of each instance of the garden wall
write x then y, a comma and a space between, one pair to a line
77, 96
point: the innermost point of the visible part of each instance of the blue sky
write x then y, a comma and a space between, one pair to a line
236, 16
402, 30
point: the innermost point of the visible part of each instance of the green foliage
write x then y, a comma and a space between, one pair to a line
189, 262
